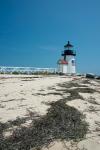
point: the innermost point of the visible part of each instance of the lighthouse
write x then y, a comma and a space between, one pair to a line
67, 64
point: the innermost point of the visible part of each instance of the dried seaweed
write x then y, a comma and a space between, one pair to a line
61, 122
51, 93
71, 84
85, 90
17, 122
74, 93
85, 81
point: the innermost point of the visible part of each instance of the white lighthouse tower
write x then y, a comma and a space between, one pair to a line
67, 65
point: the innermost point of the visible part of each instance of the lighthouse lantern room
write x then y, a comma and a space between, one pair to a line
67, 64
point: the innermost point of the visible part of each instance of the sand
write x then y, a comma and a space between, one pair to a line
17, 95
20, 94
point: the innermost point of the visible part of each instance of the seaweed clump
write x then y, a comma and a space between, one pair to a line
61, 122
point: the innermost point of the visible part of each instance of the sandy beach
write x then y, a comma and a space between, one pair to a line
25, 95
21, 93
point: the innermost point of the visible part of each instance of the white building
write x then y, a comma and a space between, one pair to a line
62, 66
67, 65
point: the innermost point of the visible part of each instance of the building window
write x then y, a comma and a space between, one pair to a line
73, 62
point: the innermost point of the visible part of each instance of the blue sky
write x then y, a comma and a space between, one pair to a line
33, 32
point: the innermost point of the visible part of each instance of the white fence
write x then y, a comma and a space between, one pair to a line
6, 69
